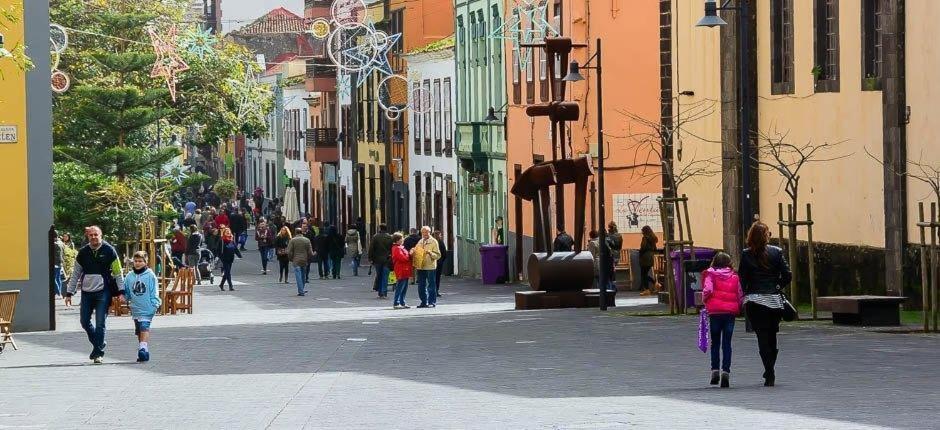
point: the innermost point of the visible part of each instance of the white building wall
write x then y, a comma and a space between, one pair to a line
438, 69
297, 120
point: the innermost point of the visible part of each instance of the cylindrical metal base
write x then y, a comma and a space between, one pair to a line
562, 271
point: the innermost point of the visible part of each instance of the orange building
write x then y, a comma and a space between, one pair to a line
631, 85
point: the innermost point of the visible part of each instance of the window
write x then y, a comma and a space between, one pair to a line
416, 121
427, 121
482, 37
529, 72
873, 24
473, 38
448, 119
781, 27
543, 70
826, 68
436, 106
396, 27
419, 215
497, 44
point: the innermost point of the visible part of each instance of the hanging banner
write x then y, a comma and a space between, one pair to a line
633, 211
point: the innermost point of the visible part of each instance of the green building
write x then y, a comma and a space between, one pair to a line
481, 144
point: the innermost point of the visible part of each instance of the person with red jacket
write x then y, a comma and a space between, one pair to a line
222, 219
722, 296
178, 245
401, 264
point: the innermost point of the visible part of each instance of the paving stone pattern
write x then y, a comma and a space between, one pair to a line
261, 357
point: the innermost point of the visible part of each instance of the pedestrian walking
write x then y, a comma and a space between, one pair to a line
280, 248
97, 272
401, 263
68, 264
310, 232
143, 300
722, 296
264, 236
229, 251
563, 242
354, 249
178, 242
439, 236
214, 242
323, 252
647, 255
337, 249
239, 228
57, 261
764, 272
380, 249
299, 252
424, 256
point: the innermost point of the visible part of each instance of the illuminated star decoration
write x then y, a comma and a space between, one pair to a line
200, 43
169, 63
525, 25
245, 90
379, 62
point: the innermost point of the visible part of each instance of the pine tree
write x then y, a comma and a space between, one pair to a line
103, 120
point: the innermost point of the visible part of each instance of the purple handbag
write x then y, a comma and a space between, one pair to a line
703, 330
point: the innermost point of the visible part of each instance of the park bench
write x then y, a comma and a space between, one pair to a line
179, 297
863, 310
7, 309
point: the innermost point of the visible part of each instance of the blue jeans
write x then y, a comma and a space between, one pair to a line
300, 273
401, 287
722, 327
265, 256
323, 266
227, 273
57, 279
97, 302
381, 279
242, 239
355, 264
427, 290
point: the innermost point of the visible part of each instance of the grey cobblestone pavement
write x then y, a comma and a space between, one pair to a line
261, 357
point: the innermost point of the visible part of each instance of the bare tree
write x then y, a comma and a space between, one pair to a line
918, 170
650, 138
775, 153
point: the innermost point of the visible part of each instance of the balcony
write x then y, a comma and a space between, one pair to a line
321, 76
478, 142
324, 143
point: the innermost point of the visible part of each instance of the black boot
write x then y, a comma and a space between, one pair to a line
769, 376
725, 379
222, 286
715, 376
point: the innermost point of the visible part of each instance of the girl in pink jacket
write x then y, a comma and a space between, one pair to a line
722, 296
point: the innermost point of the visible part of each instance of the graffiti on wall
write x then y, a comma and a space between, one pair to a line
633, 211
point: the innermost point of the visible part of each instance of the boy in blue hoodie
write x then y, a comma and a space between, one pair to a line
143, 299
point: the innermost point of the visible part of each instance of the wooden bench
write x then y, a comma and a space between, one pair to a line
863, 310
7, 309
623, 271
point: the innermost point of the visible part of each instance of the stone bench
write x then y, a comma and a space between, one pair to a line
587, 298
863, 310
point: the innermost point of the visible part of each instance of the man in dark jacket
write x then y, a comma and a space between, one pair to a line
239, 227
412, 240
323, 251
380, 248
337, 249
563, 242
192, 247
440, 262
98, 273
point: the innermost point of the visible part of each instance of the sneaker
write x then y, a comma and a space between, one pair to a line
432, 305
715, 377
301, 294
725, 379
231, 289
405, 307
397, 307
143, 355
97, 360
422, 306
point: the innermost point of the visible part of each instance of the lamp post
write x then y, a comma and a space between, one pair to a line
711, 19
574, 75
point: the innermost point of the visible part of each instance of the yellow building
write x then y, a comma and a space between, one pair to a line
823, 71
26, 163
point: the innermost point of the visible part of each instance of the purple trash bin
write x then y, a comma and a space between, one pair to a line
703, 254
493, 262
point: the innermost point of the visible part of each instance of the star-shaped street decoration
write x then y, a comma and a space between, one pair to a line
169, 63
245, 91
525, 25
378, 62
200, 43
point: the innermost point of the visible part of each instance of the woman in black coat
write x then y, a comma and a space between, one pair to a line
337, 248
764, 272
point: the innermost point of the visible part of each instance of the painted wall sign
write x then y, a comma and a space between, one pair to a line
633, 211
8, 134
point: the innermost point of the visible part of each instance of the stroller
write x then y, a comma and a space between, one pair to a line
206, 266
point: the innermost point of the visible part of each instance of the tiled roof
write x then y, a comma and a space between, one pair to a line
279, 20
437, 45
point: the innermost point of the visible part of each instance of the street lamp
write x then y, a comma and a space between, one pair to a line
574, 75
711, 19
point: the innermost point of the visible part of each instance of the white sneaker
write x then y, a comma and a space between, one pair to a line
397, 307
97, 360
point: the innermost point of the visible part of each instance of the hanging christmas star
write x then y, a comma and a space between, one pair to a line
378, 62
245, 91
200, 43
169, 63
525, 25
